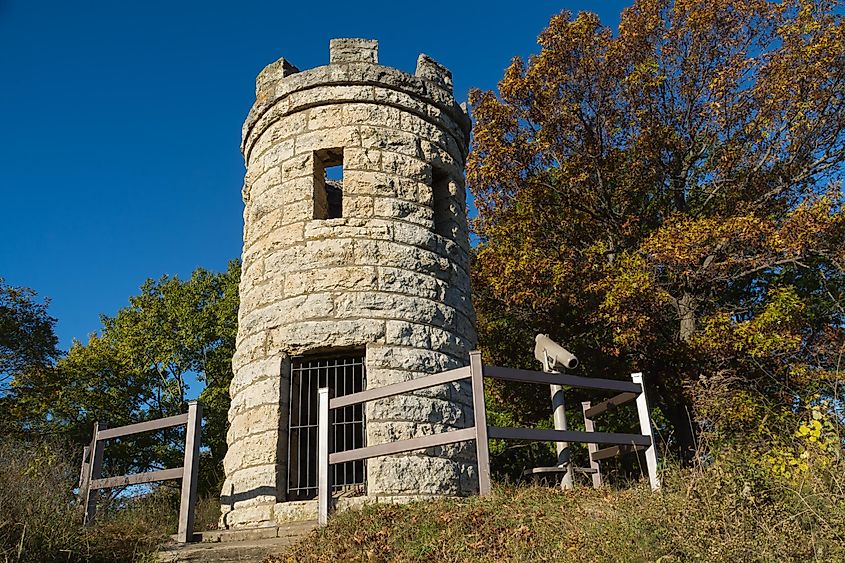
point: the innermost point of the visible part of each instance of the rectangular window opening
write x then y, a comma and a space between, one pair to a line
328, 184
343, 375
442, 203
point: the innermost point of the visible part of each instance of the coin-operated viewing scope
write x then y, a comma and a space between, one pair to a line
553, 355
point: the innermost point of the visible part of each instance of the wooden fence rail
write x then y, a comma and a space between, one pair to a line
480, 432
92, 463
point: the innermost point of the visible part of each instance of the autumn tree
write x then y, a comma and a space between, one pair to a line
667, 198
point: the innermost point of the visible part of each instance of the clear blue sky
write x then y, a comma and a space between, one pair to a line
120, 123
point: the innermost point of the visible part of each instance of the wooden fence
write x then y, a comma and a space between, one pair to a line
480, 432
90, 481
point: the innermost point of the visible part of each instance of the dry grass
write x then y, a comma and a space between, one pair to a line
727, 511
41, 520
708, 515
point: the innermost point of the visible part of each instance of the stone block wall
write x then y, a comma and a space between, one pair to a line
389, 278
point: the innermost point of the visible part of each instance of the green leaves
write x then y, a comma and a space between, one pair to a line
138, 367
27, 340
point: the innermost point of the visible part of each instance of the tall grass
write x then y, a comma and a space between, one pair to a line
40, 519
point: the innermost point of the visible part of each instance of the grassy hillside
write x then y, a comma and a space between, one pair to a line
730, 510
706, 515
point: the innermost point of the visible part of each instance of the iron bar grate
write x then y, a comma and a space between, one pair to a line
343, 376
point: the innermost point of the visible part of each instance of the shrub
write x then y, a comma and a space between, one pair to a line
39, 519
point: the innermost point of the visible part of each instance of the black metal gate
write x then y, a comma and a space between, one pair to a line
343, 375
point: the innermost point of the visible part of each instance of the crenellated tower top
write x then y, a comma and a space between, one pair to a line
354, 62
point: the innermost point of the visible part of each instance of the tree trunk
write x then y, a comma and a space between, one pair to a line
676, 409
686, 315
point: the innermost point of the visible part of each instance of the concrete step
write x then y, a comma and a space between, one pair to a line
251, 544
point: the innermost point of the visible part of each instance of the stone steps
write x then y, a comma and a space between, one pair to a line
251, 544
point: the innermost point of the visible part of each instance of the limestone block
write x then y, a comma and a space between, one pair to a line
261, 224
261, 392
457, 298
305, 336
430, 69
250, 517
280, 130
298, 211
267, 201
333, 138
281, 236
411, 359
361, 113
360, 206
322, 117
419, 234
254, 450
331, 279
406, 408
299, 166
393, 255
280, 152
402, 209
270, 179
414, 475
417, 125
249, 349
285, 127
441, 159
348, 228
328, 253
393, 140
407, 166
420, 335
305, 99
361, 159
353, 50
270, 76
381, 184
378, 305
259, 369
400, 280
253, 421
253, 273
406, 333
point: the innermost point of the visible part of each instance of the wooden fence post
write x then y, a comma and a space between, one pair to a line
589, 426
479, 410
190, 471
645, 429
323, 484
95, 468
83, 473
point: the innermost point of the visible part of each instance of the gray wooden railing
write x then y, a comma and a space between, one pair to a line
480, 432
92, 463
591, 411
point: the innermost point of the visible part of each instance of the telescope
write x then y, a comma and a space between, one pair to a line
552, 354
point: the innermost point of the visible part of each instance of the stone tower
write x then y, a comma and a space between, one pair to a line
359, 281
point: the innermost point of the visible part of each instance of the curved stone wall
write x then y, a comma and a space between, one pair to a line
390, 277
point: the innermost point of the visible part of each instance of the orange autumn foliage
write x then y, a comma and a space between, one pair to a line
667, 197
